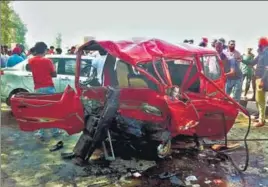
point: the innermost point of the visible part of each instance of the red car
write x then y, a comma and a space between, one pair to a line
151, 90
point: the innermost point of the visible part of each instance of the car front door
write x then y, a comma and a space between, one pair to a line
66, 72
212, 70
139, 97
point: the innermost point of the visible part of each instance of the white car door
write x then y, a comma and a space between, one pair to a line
67, 72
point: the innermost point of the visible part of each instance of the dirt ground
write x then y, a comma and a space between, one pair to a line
26, 162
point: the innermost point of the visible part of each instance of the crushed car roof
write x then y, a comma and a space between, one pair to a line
146, 50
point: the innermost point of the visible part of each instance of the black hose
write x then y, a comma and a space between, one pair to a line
246, 147
244, 140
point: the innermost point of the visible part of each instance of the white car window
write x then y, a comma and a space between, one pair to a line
70, 65
54, 60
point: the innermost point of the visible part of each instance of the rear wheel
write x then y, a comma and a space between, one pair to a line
14, 92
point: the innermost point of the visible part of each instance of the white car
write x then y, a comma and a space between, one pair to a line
19, 78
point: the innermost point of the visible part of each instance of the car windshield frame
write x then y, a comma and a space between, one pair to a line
155, 68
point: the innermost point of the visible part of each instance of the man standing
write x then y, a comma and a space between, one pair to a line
4, 56
219, 49
204, 42
58, 51
22, 49
247, 70
231, 52
222, 40
261, 75
213, 43
31, 53
233, 79
72, 51
15, 58
51, 50
43, 70
233, 71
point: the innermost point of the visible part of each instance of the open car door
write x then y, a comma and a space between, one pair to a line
213, 70
217, 114
40, 111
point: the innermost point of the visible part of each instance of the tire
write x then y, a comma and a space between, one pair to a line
14, 92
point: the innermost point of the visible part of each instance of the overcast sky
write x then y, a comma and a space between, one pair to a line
172, 21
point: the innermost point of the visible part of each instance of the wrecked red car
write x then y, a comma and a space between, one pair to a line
149, 91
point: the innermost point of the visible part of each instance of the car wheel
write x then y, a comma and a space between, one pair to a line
14, 92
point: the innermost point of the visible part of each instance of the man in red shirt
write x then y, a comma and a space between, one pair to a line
43, 70
51, 50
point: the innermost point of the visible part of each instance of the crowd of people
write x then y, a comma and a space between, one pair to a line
237, 68
10, 58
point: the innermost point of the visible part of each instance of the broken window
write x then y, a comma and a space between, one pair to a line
211, 67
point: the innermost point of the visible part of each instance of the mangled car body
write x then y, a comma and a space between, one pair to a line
133, 97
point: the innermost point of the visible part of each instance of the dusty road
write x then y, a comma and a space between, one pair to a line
26, 162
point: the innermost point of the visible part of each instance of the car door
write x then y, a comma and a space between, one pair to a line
212, 69
67, 72
217, 113
139, 97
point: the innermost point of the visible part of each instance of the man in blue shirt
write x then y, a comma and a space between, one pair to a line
15, 58
234, 79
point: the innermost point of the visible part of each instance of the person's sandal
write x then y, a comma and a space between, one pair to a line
259, 124
56, 147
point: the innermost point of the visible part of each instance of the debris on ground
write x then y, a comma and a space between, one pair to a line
56, 147
166, 175
176, 181
218, 181
136, 175
191, 178
230, 146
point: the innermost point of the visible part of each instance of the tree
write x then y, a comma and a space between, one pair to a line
58, 40
13, 30
6, 23
19, 29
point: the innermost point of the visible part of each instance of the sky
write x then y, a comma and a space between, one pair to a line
173, 21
